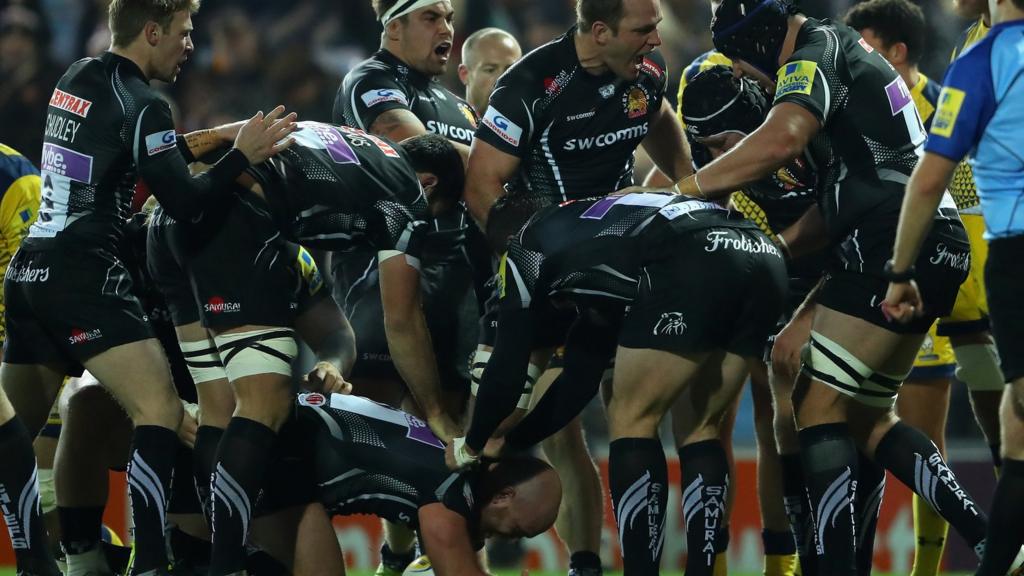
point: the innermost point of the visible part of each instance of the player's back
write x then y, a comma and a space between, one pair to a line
88, 167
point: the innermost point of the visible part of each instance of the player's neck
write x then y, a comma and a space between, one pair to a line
395, 49
1007, 13
910, 74
136, 54
589, 54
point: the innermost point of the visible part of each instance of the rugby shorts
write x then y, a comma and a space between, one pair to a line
65, 306
970, 312
723, 289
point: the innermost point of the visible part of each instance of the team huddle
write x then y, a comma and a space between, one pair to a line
386, 312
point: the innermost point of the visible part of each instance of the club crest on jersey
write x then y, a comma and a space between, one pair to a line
70, 103
635, 102
670, 324
312, 399
796, 78
381, 95
158, 142
950, 102
606, 91
468, 113
506, 129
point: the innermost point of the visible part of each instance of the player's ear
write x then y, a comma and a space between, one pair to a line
463, 74
393, 29
504, 496
898, 53
152, 32
428, 181
601, 32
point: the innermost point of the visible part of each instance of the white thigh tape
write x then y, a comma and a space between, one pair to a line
268, 351
830, 363
203, 361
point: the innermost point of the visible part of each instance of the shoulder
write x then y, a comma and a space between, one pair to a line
375, 72
543, 62
930, 90
13, 164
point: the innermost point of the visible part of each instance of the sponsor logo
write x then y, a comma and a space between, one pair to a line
500, 280
64, 162
506, 129
19, 540
944, 474
309, 271
217, 305
651, 67
468, 113
606, 139
449, 131
725, 240
796, 78
61, 128
312, 399
606, 91
379, 96
553, 86
70, 103
864, 44
359, 138
635, 102
157, 142
958, 260
27, 274
898, 94
670, 324
337, 147
583, 116
420, 432
950, 102
79, 336
673, 211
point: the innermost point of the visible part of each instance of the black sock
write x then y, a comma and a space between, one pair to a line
830, 471
189, 555
1005, 531
396, 561
245, 450
997, 457
777, 543
204, 461
585, 562
149, 481
19, 501
705, 484
798, 509
638, 477
80, 528
870, 489
914, 460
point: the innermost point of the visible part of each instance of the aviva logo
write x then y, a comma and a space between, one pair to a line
796, 78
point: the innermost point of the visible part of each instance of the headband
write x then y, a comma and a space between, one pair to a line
403, 7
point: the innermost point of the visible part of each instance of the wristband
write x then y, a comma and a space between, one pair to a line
898, 277
462, 457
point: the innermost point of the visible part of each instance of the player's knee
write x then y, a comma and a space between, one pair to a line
978, 367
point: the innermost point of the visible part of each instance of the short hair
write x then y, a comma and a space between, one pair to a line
892, 21
508, 215
128, 17
471, 41
435, 154
509, 472
590, 11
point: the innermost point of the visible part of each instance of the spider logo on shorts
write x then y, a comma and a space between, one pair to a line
670, 324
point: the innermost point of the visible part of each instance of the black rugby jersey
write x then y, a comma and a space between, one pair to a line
870, 126
383, 82
593, 250
106, 128
574, 132
339, 188
369, 458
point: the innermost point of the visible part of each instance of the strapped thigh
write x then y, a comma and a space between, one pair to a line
202, 360
267, 351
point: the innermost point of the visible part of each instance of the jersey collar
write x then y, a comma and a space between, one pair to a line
128, 67
415, 76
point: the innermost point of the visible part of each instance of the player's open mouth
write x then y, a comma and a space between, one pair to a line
444, 49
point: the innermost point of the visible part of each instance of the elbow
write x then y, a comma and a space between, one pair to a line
784, 148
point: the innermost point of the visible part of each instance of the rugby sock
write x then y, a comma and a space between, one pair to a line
870, 489
1005, 530
930, 530
638, 478
189, 555
798, 509
779, 553
705, 485
80, 537
204, 460
722, 557
19, 501
830, 470
396, 561
245, 450
149, 480
915, 461
586, 563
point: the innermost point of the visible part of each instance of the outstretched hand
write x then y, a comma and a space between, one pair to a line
264, 136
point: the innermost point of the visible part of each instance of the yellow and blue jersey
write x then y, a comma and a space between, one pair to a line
962, 187
926, 98
981, 113
19, 205
709, 59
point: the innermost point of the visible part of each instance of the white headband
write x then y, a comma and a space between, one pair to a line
403, 7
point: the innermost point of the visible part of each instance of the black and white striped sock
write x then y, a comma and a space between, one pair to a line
149, 481
638, 478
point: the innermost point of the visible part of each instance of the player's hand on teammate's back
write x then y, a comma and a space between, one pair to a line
902, 302
264, 136
327, 379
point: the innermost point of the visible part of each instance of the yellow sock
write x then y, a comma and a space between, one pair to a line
930, 530
780, 564
721, 565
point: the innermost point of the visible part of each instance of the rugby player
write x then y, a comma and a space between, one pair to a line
486, 55
564, 123
830, 83
600, 255
896, 29
979, 114
106, 128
